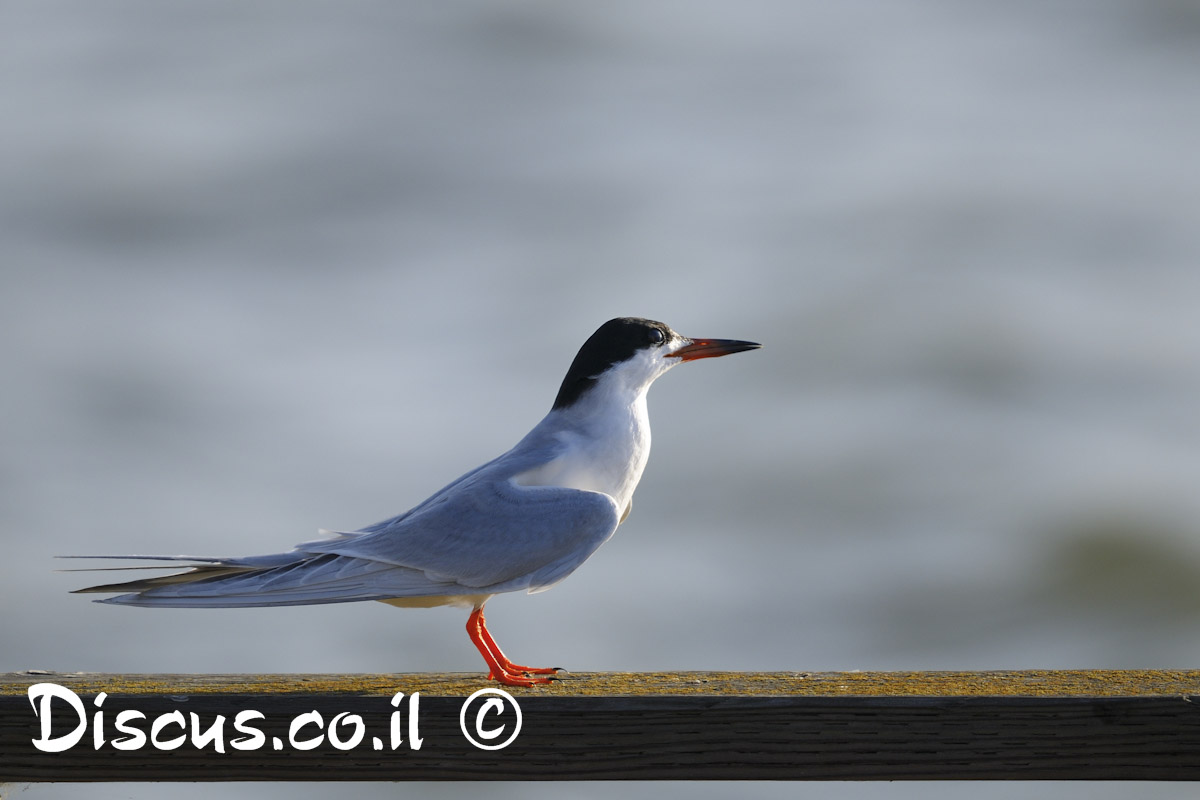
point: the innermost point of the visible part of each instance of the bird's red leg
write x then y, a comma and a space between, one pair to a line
503, 659
500, 668
473, 630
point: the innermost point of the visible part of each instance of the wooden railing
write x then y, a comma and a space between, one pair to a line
1086, 725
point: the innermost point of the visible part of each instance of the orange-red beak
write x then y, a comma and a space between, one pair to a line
711, 348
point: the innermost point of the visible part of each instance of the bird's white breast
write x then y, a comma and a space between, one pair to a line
602, 453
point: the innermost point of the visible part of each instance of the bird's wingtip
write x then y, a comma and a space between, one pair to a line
108, 601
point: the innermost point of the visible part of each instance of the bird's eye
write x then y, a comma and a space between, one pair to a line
657, 336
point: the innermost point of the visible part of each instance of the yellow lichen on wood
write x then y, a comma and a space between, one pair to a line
1024, 683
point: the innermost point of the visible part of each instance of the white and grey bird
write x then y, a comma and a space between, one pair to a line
523, 521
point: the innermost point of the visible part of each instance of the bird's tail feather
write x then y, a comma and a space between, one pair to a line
282, 579
197, 573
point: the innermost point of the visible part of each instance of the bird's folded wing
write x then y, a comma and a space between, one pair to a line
491, 534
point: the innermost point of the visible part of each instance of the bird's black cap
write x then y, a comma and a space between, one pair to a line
613, 342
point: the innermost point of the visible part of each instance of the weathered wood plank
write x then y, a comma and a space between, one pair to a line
1092, 725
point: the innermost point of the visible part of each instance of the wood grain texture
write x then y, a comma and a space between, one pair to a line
1132, 725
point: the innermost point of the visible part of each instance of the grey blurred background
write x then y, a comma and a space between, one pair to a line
268, 268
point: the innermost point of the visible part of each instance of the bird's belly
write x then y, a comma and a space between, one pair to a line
432, 601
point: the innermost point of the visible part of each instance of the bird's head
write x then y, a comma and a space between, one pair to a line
628, 353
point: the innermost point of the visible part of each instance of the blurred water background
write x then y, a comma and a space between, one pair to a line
271, 267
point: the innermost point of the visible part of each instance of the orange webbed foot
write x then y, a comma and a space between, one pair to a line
500, 668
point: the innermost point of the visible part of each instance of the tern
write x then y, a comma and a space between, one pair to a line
523, 521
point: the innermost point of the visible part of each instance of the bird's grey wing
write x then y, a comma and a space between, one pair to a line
491, 534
